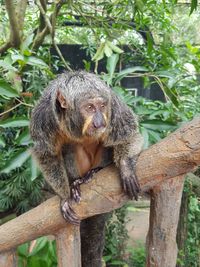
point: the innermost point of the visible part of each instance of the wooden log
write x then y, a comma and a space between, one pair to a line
8, 259
175, 155
68, 246
164, 215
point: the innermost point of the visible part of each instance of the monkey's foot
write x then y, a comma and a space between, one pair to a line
75, 186
131, 186
76, 191
68, 213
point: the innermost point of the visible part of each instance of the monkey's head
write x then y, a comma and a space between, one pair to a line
86, 101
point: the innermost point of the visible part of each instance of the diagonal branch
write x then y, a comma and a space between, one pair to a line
175, 155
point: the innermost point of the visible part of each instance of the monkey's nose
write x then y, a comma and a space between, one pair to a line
99, 121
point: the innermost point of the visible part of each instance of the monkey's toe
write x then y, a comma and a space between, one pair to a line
69, 214
76, 193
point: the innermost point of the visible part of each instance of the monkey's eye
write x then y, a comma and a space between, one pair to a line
103, 105
90, 108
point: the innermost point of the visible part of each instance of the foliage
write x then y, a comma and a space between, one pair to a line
193, 226
40, 252
137, 256
136, 39
20, 86
116, 237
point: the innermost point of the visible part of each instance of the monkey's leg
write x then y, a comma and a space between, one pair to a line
75, 186
92, 240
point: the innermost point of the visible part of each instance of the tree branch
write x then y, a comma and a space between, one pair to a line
50, 24
175, 155
14, 27
20, 12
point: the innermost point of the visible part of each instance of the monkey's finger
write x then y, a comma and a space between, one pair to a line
136, 183
68, 214
124, 185
135, 187
131, 190
134, 190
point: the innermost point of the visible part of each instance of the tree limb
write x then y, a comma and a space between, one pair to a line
50, 24
14, 26
175, 155
20, 13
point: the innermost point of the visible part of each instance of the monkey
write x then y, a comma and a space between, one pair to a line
78, 127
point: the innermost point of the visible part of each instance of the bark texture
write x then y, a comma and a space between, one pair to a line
164, 215
68, 246
174, 156
8, 259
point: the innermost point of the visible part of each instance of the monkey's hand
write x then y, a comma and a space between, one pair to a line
75, 186
68, 213
129, 179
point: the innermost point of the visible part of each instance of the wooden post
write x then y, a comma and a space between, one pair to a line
8, 259
69, 246
164, 215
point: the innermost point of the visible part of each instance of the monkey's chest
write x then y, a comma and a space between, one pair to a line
88, 157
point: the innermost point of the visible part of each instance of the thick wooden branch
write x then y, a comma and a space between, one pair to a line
14, 26
175, 155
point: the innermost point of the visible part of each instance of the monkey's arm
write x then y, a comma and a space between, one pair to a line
125, 157
127, 143
52, 167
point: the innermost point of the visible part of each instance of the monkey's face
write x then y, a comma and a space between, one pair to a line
95, 114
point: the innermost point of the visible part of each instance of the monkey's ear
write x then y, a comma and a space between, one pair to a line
62, 100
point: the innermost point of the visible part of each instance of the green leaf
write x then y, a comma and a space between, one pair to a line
26, 43
111, 64
7, 90
193, 6
140, 5
16, 161
40, 244
34, 169
100, 52
7, 66
171, 94
145, 135
22, 250
15, 122
164, 74
2, 141
114, 48
128, 71
157, 125
149, 43
24, 139
17, 57
107, 50
34, 61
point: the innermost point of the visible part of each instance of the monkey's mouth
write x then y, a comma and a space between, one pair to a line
96, 132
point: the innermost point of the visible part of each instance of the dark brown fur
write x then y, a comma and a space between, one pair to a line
65, 153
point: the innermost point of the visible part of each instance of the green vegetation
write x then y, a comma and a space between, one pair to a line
154, 41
